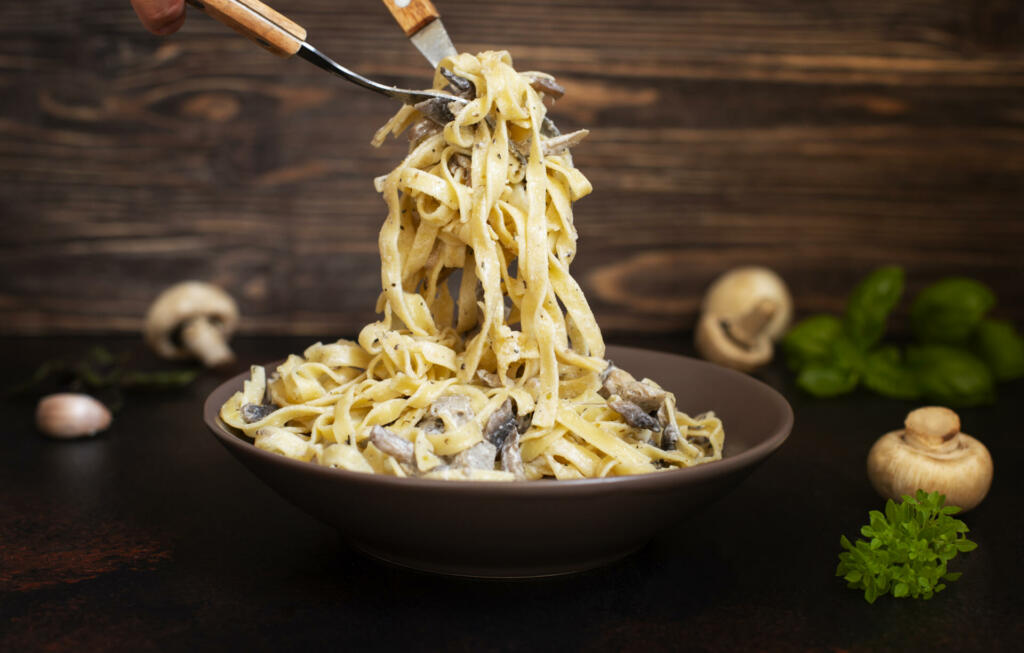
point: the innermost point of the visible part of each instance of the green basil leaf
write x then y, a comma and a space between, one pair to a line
811, 340
948, 311
870, 303
951, 376
1001, 346
885, 373
846, 354
825, 380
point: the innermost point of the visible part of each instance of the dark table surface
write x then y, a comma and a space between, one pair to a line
152, 537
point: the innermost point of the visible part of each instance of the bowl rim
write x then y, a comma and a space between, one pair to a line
236, 442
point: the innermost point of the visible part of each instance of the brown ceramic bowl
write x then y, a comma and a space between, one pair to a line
538, 528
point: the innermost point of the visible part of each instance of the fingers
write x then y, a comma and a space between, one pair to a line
160, 16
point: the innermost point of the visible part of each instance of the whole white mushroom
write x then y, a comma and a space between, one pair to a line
931, 454
193, 319
743, 313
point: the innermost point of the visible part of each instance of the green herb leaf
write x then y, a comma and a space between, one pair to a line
1001, 346
948, 311
836, 373
165, 379
951, 376
99, 369
886, 374
101, 356
827, 380
811, 340
43, 373
870, 303
908, 554
847, 355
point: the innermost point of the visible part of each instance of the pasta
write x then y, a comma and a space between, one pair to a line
487, 363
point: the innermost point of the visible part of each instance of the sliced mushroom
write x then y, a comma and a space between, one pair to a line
669, 431
548, 128
562, 143
634, 415
555, 144
544, 83
459, 161
490, 378
480, 456
501, 424
392, 444
616, 381
520, 150
421, 129
512, 457
447, 411
524, 422
440, 110
193, 318
255, 412
931, 454
462, 86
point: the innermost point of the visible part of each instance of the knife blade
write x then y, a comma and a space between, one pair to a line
421, 22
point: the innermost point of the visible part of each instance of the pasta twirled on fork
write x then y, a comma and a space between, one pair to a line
487, 362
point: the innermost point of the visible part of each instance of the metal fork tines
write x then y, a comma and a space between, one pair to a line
433, 104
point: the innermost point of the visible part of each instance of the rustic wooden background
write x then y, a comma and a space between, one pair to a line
820, 138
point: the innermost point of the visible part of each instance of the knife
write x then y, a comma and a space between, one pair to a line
421, 22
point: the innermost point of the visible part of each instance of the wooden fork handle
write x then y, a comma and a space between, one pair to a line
412, 15
253, 19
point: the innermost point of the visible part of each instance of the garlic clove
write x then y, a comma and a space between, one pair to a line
69, 415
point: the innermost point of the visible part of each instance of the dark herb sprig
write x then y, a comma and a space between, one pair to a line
100, 372
907, 550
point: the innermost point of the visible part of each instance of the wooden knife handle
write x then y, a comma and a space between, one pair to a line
412, 15
253, 19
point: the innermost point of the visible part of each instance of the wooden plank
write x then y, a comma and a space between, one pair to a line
821, 139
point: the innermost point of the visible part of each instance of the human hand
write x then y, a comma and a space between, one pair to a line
160, 16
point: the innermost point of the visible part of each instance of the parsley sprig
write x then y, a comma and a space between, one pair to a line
907, 549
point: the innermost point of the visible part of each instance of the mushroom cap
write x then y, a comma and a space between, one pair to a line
898, 466
715, 345
735, 292
183, 302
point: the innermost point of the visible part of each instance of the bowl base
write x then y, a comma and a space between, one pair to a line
497, 571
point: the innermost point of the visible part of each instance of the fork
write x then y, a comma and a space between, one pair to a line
285, 38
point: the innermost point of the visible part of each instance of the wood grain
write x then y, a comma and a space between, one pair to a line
821, 139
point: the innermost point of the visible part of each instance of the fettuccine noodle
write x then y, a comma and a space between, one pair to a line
487, 362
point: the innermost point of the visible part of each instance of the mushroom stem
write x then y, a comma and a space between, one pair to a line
748, 327
932, 429
207, 342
